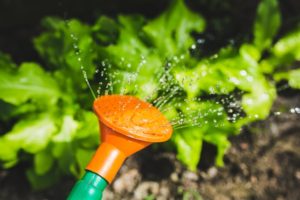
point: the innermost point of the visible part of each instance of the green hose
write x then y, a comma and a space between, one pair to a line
90, 187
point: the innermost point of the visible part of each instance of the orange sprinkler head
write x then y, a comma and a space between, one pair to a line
127, 125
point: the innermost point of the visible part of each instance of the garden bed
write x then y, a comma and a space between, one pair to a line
263, 163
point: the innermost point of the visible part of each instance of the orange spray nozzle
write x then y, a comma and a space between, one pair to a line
127, 125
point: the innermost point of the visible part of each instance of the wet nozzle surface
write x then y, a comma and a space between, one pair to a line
127, 125
132, 117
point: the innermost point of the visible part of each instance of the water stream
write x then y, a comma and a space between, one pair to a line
166, 101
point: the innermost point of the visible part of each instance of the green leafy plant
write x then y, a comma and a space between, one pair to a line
52, 124
206, 98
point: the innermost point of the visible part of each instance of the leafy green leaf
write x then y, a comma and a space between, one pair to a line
83, 157
105, 30
67, 45
267, 23
30, 81
292, 76
223, 75
39, 182
222, 143
43, 162
6, 62
68, 130
31, 135
141, 66
288, 47
171, 32
135, 68
189, 145
8, 153
258, 103
88, 131
198, 122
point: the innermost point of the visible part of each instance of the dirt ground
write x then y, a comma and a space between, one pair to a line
263, 163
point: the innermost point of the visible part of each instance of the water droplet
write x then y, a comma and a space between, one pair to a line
277, 113
200, 41
243, 72
234, 80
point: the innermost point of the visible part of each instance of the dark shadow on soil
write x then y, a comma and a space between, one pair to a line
155, 168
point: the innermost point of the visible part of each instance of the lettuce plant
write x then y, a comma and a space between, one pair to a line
207, 99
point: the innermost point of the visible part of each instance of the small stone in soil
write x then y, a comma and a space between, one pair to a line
212, 172
164, 192
244, 146
174, 177
146, 188
127, 181
297, 174
108, 194
190, 176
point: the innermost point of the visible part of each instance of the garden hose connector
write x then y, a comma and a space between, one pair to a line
90, 187
127, 125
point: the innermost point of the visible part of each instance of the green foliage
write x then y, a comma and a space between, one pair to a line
266, 25
51, 125
151, 44
171, 32
50, 107
292, 76
287, 49
29, 81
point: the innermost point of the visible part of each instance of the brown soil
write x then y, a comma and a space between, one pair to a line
263, 163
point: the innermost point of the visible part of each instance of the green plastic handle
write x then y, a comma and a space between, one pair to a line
90, 187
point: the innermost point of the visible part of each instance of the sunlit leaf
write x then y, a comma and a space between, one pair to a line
267, 23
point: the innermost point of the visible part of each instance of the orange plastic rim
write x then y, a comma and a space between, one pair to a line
133, 117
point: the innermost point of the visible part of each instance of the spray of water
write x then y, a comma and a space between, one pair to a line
82, 67
167, 90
